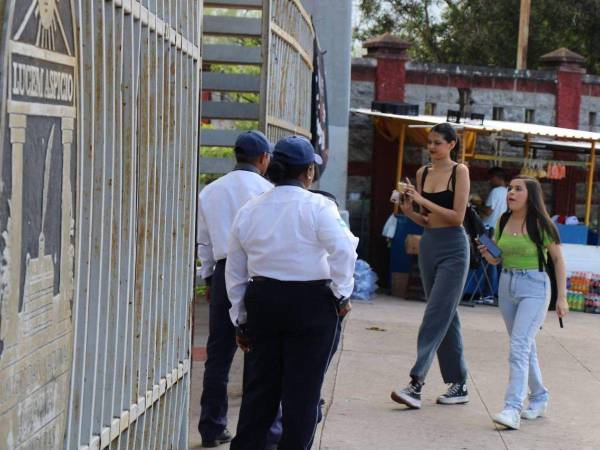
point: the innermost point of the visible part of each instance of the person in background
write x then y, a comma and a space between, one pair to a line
217, 206
495, 204
289, 275
442, 194
523, 234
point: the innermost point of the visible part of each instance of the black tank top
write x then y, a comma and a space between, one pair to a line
445, 199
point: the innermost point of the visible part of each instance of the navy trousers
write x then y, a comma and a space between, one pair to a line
294, 330
220, 350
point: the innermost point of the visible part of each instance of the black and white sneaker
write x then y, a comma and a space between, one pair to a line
409, 396
457, 394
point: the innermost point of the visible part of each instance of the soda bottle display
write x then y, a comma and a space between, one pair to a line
570, 299
583, 292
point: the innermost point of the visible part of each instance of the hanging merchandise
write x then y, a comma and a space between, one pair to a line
563, 171
539, 169
526, 169
542, 173
535, 168
556, 171
551, 171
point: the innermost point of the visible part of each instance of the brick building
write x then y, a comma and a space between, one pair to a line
560, 94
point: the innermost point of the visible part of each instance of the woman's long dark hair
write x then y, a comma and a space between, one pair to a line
538, 222
279, 171
448, 132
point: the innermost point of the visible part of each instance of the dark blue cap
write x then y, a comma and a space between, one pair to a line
297, 151
253, 143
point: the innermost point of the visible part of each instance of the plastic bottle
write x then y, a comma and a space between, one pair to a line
570, 299
574, 281
588, 282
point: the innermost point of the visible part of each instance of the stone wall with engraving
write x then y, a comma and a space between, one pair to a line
99, 122
37, 175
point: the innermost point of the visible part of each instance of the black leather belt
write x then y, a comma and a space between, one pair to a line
260, 279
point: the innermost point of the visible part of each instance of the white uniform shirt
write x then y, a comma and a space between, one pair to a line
289, 234
218, 204
496, 201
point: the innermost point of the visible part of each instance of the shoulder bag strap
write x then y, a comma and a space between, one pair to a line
503, 220
452, 180
423, 177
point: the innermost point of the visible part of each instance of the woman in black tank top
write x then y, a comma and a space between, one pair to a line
445, 199
442, 194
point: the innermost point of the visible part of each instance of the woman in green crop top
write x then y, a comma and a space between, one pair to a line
524, 293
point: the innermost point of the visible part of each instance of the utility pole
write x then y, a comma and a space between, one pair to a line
523, 34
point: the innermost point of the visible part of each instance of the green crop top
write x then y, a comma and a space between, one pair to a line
519, 252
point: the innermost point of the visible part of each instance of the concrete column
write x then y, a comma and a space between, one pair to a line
333, 25
569, 67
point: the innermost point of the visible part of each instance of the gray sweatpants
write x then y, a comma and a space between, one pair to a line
444, 263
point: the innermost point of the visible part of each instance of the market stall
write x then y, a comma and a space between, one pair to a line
415, 128
531, 139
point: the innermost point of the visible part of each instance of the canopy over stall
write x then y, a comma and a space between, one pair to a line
416, 128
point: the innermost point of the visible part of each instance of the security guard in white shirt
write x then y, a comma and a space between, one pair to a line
218, 204
289, 274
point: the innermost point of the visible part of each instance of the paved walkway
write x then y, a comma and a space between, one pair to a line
377, 351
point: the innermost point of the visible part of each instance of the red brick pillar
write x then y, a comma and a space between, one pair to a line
569, 68
390, 74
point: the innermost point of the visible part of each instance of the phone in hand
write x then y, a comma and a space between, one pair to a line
491, 245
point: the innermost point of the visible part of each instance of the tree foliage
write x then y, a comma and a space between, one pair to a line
485, 32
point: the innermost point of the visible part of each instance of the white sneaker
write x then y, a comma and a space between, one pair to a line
508, 418
534, 412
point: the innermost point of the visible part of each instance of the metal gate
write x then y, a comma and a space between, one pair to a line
288, 37
99, 123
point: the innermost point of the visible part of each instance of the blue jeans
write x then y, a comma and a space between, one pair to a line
523, 299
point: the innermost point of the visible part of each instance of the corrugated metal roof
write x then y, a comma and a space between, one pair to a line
492, 126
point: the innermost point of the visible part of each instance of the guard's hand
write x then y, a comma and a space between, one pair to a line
243, 343
342, 312
242, 339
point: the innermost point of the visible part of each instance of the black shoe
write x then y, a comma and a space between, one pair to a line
410, 395
223, 438
457, 394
